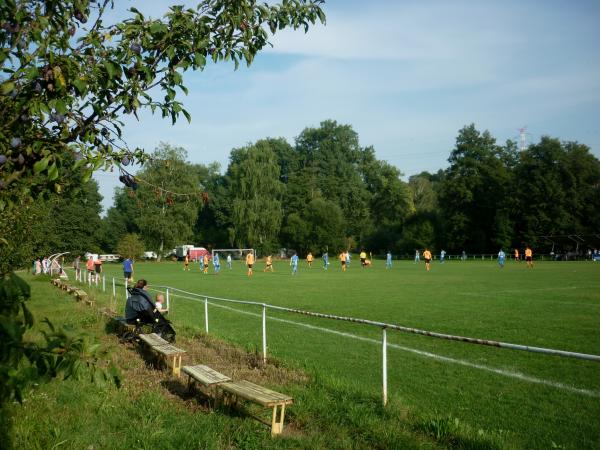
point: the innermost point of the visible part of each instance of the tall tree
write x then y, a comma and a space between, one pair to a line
168, 198
329, 159
473, 194
214, 220
120, 219
256, 192
390, 201
557, 190
74, 224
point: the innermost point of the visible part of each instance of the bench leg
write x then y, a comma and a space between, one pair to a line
277, 425
177, 365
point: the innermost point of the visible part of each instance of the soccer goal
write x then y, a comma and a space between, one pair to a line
239, 253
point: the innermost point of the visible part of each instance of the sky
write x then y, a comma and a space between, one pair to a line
406, 75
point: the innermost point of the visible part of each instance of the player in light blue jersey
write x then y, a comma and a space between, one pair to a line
201, 261
325, 260
294, 264
216, 263
501, 258
348, 258
442, 256
388, 260
229, 261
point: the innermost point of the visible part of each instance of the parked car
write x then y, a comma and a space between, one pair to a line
150, 255
110, 258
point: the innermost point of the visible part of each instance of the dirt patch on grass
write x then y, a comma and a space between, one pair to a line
238, 363
140, 370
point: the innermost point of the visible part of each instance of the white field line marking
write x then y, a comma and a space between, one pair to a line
503, 372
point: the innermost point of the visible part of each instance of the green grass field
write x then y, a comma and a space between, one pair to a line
513, 398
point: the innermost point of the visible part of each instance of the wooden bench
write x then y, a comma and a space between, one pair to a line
262, 396
165, 350
207, 377
80, 294
153, 339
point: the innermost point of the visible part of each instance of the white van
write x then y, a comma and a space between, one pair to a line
110, 258
150, 255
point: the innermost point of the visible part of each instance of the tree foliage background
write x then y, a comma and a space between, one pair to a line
327, 193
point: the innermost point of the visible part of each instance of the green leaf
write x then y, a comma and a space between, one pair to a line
157, 27
200, 60
8, 87
187, 115
40, 165
112, 69
79, 163
79, 85
52, 172
60, 106
86, 176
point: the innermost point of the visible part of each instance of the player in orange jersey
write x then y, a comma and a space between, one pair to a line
427, 258
529, 257
250, 262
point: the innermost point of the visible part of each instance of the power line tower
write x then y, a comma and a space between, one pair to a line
522, 139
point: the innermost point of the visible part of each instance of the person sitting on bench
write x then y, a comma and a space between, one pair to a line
140, 309
139, 306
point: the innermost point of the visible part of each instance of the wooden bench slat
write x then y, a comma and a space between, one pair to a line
256, 393
153, 339
205, 375
168, 349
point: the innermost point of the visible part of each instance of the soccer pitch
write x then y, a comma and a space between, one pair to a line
534, 399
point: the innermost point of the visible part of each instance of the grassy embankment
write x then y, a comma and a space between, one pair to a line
335, 378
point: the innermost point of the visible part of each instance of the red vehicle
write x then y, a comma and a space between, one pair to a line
195, 253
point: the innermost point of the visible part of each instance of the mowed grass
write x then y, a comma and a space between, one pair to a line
533, 400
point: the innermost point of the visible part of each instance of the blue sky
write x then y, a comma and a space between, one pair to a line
407, 75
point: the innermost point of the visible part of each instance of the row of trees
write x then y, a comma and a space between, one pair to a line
326, 192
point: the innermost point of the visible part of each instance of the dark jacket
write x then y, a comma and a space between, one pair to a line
137, 302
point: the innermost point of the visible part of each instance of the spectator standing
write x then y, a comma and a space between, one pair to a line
90, 267
128, 269
77, 267
97, 269
38, 266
